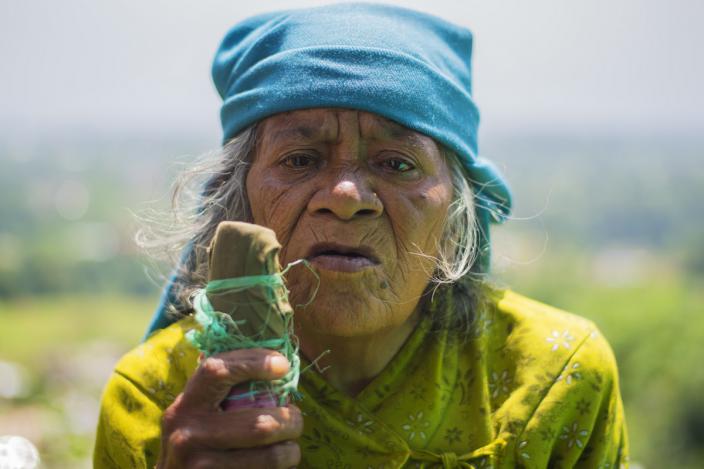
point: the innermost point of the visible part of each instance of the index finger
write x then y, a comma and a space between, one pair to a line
216, 375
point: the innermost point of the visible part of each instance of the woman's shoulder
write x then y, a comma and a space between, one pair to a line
534, 337
535, 352
144, 382
524, 311
524, 325
162, 364
552, 376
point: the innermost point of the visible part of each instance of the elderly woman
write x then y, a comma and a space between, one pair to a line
350, 131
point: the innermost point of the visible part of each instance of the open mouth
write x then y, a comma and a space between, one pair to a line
340, 258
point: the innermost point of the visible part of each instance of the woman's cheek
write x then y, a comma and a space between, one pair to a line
276, 207
432, 206
422, 219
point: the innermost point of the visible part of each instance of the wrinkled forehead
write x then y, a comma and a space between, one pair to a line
325, 125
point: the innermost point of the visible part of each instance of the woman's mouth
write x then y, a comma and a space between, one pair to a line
339, 258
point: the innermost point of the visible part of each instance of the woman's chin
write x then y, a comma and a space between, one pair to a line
347, 305
335, 289
339, 315
345, 314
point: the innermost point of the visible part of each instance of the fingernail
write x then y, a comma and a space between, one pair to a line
278, 361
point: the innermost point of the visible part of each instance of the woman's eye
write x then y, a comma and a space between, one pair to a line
298, 161
398, 165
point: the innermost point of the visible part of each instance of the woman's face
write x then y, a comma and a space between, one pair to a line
364, 200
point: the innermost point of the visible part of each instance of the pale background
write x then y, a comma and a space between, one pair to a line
590, 66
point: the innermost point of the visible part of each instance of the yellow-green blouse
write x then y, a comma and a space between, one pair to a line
534, 387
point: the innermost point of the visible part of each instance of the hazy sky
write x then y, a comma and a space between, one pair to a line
616, 66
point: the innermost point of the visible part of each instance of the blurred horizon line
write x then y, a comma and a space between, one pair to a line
26, 136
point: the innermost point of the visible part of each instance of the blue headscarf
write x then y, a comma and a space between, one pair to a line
407, 66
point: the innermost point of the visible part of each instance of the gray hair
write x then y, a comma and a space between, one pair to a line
213, 190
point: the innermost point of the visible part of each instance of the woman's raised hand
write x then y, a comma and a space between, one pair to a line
197, 433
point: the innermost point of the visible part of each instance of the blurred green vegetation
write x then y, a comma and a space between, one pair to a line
609, 228
36, 328
64, 349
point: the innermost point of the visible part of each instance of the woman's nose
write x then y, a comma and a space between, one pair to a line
347, 198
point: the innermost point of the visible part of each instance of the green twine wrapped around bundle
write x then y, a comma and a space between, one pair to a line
245, 305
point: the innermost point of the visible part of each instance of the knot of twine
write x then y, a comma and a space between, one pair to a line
220, 332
